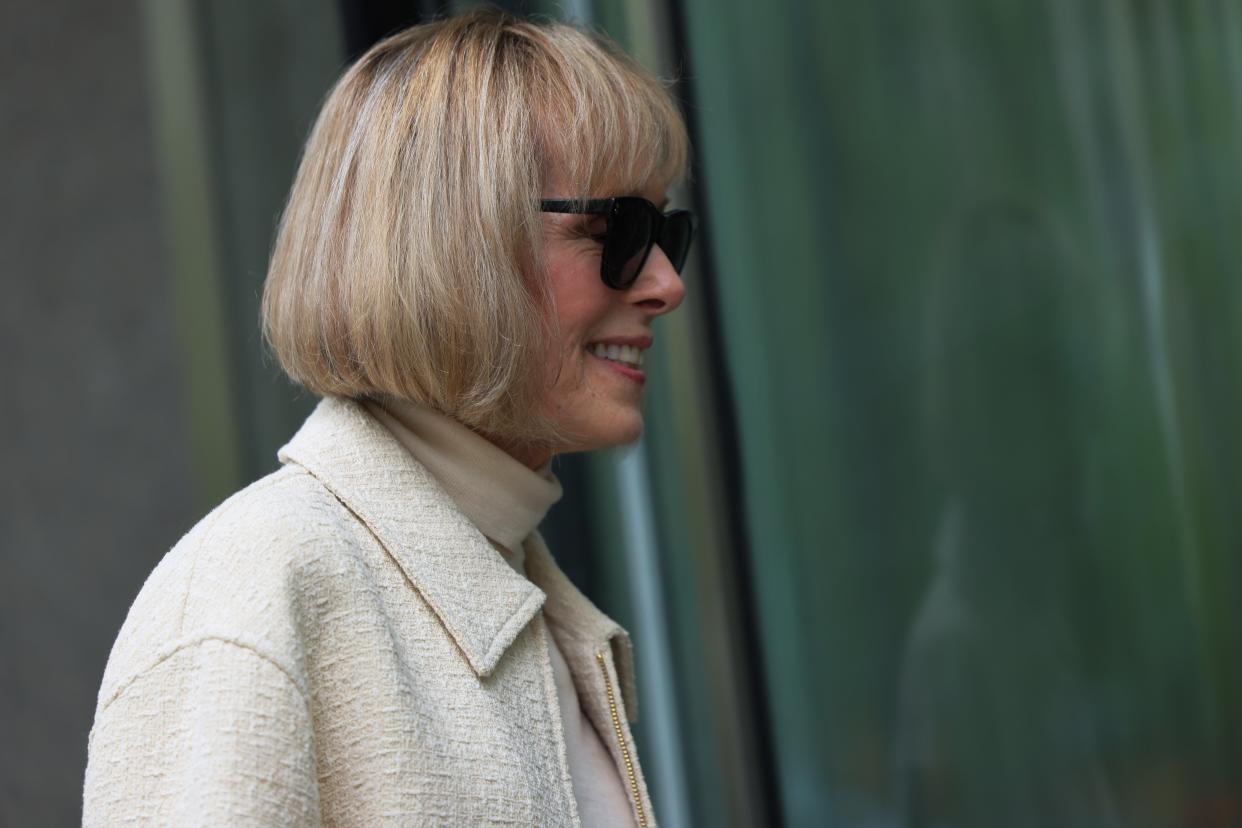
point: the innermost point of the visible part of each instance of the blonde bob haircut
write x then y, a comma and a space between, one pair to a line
408, 261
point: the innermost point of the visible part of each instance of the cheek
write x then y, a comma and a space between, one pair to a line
579, 314
566, 377
582, 304
577, 310
565, 361
579, 299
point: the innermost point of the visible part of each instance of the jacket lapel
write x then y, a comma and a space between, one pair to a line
573, 616
480, 600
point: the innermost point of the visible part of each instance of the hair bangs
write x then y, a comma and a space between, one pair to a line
607, 126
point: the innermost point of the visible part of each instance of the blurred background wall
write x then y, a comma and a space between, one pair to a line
936, 518
97, 474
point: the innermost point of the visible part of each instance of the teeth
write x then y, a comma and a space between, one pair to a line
625, 354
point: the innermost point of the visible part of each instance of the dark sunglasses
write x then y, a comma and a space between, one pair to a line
635, 225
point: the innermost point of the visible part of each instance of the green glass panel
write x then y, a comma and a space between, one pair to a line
977, 267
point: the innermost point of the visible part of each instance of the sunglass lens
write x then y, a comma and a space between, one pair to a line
676, 236
629, 241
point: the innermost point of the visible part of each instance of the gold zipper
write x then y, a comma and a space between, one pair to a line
625, 752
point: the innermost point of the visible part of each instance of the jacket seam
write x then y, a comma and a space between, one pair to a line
225, 508
124, 686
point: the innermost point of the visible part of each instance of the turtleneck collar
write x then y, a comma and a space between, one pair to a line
503, 498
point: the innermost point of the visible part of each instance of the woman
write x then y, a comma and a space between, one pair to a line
467, 271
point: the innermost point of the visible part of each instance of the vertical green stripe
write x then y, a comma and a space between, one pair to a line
189, 207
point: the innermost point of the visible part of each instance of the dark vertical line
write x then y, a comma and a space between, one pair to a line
366, 22
517, 8
206, 31
722, 402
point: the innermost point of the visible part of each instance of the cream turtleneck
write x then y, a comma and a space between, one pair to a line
499, 495
506, 501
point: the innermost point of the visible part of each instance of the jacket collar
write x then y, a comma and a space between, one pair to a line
480, 600
482, 603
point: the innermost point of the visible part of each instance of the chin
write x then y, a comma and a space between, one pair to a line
619, 431
630, 436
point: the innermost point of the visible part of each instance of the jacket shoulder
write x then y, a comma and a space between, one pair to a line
248, 573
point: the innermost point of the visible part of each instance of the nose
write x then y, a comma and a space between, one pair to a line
658, 289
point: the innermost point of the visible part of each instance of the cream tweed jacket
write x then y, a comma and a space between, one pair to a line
337, 644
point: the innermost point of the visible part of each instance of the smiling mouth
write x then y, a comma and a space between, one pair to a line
627, 355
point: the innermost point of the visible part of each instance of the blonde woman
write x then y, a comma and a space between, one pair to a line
473, 255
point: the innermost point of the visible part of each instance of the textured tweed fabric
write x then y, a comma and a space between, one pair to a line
506, 501
337, 644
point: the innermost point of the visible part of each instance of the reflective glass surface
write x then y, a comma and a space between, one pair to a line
984, 339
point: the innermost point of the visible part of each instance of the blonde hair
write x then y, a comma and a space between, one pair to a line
408, 261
